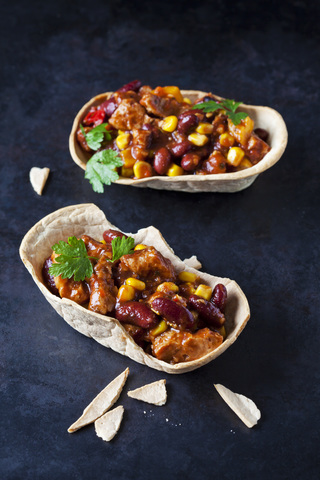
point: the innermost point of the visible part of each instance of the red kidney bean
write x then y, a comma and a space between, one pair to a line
187, 122
109, 106
48, 278
109, 235
219, 296
162, 160
190, 161
136, 313
180, 149
133, 86
173, 312
207, 311
262, 133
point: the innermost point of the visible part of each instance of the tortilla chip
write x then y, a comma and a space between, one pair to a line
89, 219
102, 402
108, 425
245, 408
154, 393
263, 117
38, 178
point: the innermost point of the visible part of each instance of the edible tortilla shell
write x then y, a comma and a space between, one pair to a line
264, 117
89, 219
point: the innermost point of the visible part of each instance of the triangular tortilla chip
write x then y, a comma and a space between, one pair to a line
38, 178
102, 402
245, 408
154, 393
108, 425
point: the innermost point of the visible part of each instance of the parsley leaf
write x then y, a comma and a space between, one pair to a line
95, 137
72, 260
121, 246
100, 169
230, 107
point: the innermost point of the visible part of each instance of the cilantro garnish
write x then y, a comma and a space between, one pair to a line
121, 246
95, 137
230, 106
72, 260
100, 169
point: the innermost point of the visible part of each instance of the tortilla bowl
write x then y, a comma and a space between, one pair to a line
89, 219
264, 117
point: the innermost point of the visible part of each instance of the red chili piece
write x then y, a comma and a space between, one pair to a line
94, 118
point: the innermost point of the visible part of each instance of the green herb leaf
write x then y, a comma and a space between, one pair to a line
230, 107
237, 117
121, 246
100, 169
72, 260
208, 107
95, 137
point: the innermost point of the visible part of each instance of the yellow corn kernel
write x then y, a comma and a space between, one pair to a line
103, 241
204, 291
123, 140
222, 331
187, 100
245, 163
187, 277
198, 139
160, 328
120, 132
169, 124
128, 159
234, 156
126, 172
175, 92
126, 293
140, 246
142, 169
226, 140
167, 287
204, 128
135, 283
174, 170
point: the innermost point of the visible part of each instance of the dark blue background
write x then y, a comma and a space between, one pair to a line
54, 57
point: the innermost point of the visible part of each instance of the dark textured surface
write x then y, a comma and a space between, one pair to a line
54, 57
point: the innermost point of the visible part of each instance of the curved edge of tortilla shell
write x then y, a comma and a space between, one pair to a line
102, 402
264, 117
89, 219
108, 425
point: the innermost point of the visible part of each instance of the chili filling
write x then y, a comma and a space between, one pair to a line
172, 316
159, 132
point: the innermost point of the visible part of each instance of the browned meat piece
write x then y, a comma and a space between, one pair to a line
175, 346
96, 249
141, 138
128, 115
147, 265
160, 106
256, 149
102, 290
145, 89
81, 140
68, 288
141, 141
